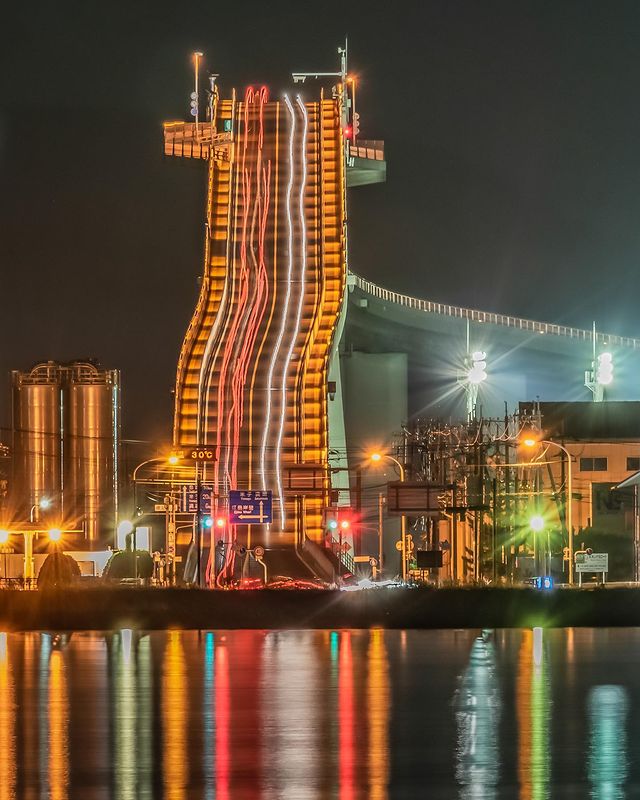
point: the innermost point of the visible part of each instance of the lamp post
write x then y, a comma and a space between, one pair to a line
531, 442
43, 503
536, 523
376, 457
172, 460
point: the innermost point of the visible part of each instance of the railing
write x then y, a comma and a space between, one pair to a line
180, 139
345, 558
490, 317
368, 148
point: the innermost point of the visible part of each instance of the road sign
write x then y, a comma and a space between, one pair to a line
420, 498
592, 562
200, 453
187, 499
250, 508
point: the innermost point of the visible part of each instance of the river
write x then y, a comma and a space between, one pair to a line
344, 714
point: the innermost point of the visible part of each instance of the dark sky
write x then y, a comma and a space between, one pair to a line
513, 146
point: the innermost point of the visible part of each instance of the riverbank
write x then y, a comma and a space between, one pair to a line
156, 609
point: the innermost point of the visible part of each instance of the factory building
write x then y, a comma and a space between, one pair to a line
66, 443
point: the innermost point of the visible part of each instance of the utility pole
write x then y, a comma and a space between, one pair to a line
380, 532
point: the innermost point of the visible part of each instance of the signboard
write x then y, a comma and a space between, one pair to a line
200, 453
592, 562
414, 498
250, 508
187, 498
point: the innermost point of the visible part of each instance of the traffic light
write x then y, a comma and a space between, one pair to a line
478, 369
208, 522
604, 369
194, 104
347, 132
338, 519
356, 124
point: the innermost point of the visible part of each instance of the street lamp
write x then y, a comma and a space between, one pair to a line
377, 457
532, 442
55, 534
44, 503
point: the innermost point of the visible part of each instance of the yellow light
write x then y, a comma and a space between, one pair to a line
55, 534
4, 537
376, 457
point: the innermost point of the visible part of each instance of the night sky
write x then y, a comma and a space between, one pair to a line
512, 132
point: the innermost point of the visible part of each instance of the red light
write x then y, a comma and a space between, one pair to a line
347, 131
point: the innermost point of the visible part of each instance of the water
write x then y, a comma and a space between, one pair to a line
321, 714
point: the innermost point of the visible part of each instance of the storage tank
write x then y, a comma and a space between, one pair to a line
37, 436
91, 459
66, 435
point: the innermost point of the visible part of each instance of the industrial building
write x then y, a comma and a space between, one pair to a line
66, 448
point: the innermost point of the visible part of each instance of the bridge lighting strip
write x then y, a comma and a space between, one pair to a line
296, 331
285, 310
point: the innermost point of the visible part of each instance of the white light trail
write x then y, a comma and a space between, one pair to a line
285, 310
296, 330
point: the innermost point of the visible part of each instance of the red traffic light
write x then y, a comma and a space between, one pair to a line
347, 131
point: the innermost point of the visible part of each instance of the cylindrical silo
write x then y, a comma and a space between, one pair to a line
37, 436
66, 440
92, 442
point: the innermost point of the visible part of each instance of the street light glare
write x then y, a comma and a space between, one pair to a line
44, 503
173, 460
536, 523
4, 537
529, 442
125, 527
55, 534
376, 457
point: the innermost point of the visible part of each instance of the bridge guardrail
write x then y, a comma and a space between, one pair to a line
491, 317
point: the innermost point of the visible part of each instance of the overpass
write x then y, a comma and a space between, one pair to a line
402, 356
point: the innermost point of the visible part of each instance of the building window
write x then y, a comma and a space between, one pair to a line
633, 463
593, 465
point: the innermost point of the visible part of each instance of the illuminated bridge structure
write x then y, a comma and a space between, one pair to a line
252, 373
403, 357
292, 367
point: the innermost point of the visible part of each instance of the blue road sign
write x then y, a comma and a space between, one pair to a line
188, 498
250, 508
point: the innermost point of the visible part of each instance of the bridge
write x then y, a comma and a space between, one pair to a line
402, 356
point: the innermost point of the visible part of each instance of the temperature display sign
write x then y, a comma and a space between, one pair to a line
200, 453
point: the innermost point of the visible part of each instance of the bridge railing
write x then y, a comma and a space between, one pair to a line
490, 317
368, 148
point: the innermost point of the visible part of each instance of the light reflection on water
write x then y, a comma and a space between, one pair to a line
349, 715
